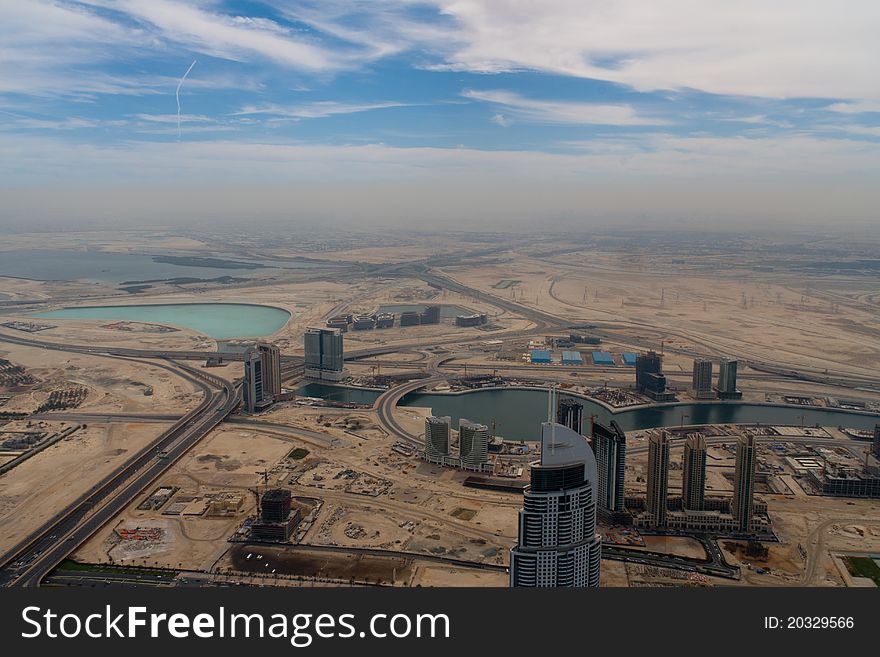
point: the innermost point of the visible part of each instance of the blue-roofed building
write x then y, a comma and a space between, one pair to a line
541, 356
572, 358
602, 358
629, 358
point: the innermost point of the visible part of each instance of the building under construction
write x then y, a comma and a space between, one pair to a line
277, 518
650, 379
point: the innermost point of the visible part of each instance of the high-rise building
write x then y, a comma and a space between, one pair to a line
323, 354
609, 446
437, 430
558, 545
701, 385
277, 518
473, 443
431, 315
693, 473
570, 413
744, 481
271, 357
254, 388
650, 379
726, 387
647, 363
658, 476
275, 505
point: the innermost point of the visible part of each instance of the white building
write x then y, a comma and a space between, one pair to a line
558, 544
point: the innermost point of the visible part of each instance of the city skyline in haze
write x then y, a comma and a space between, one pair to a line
455, 113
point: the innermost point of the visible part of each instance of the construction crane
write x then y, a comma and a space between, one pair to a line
265, 475
256, 493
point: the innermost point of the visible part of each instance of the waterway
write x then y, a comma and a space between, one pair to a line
109, 267
518, 413
216, 320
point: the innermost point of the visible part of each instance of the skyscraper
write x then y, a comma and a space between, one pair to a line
437, 430
658, 476
726, 387
271, 357
254, 391
558, 545
609, 446
701, 385
323, 354
473, 443
650, 379
693, 473
744, 481
647, 363
570, 413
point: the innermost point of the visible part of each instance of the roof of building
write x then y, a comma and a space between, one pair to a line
602, 358
572, 356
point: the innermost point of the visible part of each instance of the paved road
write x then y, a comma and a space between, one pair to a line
37, 555
73, 416
661, 560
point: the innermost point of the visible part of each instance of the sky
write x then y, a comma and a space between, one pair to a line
466, 113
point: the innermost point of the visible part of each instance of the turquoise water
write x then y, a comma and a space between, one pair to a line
216, 320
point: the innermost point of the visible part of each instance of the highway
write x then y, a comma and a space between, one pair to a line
712, 566
31, 560
388, 400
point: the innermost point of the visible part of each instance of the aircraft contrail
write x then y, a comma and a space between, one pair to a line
177, 95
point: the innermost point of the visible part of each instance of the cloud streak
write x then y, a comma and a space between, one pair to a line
557, 111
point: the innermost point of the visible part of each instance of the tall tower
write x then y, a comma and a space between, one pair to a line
727, 380
473, 443
271, 357
570, 413
701, 384
744, 481
558, 545
647, 363
324, 354
693, 473
254, 386
658, 476
609, 446
437, 430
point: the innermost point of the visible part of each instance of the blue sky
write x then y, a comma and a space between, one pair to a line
624, 97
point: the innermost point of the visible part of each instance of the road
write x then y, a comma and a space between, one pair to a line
815, 543
37, 555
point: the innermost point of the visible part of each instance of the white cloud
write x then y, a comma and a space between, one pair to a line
500, 119
314, 110
557, 111
230, 36
858, 107
785, 48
